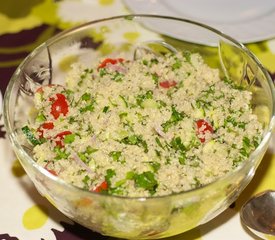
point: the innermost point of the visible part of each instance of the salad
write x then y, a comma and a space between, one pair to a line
152, 126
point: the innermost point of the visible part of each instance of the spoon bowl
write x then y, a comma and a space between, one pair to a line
258, 214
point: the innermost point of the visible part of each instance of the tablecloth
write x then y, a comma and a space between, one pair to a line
24, 214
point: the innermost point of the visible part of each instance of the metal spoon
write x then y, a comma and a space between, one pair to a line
258, 214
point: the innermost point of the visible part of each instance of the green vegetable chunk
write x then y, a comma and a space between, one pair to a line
147, 181
30, 136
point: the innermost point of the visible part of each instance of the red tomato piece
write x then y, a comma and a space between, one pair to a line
40, 89
59, 106
110, 61
52, 172
43, 127
60, 137
168, 84
101, 187
202, 128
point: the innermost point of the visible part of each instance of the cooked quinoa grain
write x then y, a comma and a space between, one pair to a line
148, 127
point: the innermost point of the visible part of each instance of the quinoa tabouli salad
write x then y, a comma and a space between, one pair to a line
147, 127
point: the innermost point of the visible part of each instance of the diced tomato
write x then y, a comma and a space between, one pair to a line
40, 89
60, 137
102, 187
52, 172
43, 127
59, 106
202, 128
110, 61
168, 84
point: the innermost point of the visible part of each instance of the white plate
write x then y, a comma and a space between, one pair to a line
245, 20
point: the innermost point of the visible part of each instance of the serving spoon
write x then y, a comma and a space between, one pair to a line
258, 214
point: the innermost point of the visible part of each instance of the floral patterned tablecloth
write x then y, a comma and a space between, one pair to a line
24, 214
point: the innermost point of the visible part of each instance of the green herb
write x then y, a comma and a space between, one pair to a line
85, 73
117, 77
247, 146
174, 119
88, 108
40, 118
142, 119
158, 142
233, 84
116, 155
140, 98
256, 140
71, 119
90, 103
69, 138
124, 100
155, 165
85, 156
154, 61
178, 146
187, 56
177, 64
102, 72
209, 91
30, 136
86, 97
158, 153
87, 181
90, 150
232, 120
196, 183
167, 161
155, 78
105, 109
60, 153
182, 158
201, 103
109, 174
147, 181
244, 152
145, 62
122, 115
135, 140
161, 103
246, 142
112, 103
130, 175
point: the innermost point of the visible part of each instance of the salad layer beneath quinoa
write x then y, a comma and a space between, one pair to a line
147, 127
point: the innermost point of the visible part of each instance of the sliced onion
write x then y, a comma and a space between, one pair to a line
117, 68
81, 163
159, 131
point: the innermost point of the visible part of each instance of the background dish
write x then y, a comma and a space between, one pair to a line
246, 21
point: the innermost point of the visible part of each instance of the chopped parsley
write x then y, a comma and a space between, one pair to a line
174, 119
147, 181
141, 97
135, 140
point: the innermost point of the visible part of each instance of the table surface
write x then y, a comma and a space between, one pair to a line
25, 215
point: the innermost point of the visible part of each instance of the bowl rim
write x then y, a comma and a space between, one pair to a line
18, 147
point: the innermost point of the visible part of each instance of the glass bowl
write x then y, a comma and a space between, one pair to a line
132, 35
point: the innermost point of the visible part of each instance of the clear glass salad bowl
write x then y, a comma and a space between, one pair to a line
132, 35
